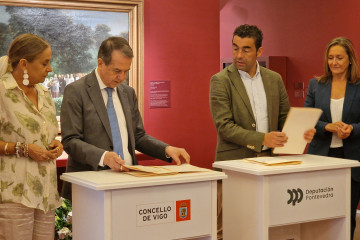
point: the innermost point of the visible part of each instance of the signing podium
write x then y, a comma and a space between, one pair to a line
109, 205
309, 201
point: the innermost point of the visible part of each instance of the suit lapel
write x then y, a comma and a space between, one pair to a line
268, 87
349, 97
324, 95
98, 101
236, 80
125, 105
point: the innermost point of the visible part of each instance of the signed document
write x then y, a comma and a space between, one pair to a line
297, 122
145, 171
271, 161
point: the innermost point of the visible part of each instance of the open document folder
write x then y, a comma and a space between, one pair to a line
145, 171
297, 122
271, 161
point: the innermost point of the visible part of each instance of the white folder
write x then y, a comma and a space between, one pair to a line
299, 120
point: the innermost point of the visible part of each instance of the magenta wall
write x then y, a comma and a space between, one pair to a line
182, 46
299, 30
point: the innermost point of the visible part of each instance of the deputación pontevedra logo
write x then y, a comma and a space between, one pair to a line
296, 196
314, 194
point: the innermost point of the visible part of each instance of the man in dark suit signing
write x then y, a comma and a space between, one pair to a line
100, 121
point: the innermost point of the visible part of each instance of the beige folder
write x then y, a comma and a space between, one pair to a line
271, 161
147, 171
297, 122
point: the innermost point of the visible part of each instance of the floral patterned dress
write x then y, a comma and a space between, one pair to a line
24, 180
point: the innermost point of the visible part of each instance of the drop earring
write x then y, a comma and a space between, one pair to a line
26, 78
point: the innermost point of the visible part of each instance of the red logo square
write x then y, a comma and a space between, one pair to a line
183, 210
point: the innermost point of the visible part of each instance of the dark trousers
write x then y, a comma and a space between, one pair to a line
355, 190
355, 198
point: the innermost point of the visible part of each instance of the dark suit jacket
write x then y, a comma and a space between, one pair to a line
85, 127
233, 116
318, 96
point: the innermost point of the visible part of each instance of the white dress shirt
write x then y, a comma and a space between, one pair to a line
255, 90
336, 109
121, 120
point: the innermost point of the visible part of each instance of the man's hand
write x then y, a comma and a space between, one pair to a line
112, 160
309, 135
179, 155
275, 139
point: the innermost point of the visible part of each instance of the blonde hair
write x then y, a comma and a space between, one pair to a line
26, 46
353, 74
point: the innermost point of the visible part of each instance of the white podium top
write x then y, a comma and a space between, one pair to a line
309, 163
108, 179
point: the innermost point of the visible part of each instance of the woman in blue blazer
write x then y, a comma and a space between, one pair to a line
337, 93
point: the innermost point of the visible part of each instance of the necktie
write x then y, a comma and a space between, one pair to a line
114, 125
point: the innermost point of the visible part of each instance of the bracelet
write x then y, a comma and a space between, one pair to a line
17, 149
5, 149
22, 150
25, 150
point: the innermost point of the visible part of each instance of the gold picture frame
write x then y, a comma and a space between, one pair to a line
135, 10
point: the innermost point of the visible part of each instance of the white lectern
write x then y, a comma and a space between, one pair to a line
310, 201
109, 205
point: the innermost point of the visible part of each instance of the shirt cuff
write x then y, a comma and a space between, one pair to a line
167, 156
101, 163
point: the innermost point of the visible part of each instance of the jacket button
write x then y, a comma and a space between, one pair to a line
253, 125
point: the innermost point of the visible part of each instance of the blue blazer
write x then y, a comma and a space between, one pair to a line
318, 96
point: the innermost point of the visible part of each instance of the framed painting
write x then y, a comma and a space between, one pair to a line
75, 30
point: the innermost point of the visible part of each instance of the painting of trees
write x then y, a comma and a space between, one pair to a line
74, 42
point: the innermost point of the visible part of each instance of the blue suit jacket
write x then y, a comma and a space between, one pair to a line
318, 96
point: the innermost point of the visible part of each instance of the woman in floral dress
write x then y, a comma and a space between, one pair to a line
28, 149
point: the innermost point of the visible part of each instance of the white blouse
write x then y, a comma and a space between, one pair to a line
23, 180
336, 109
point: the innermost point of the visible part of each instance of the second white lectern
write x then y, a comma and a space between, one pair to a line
309, 201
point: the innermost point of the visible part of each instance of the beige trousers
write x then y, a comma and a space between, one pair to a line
20, 222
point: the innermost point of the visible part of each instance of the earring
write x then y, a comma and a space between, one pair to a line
26, 78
